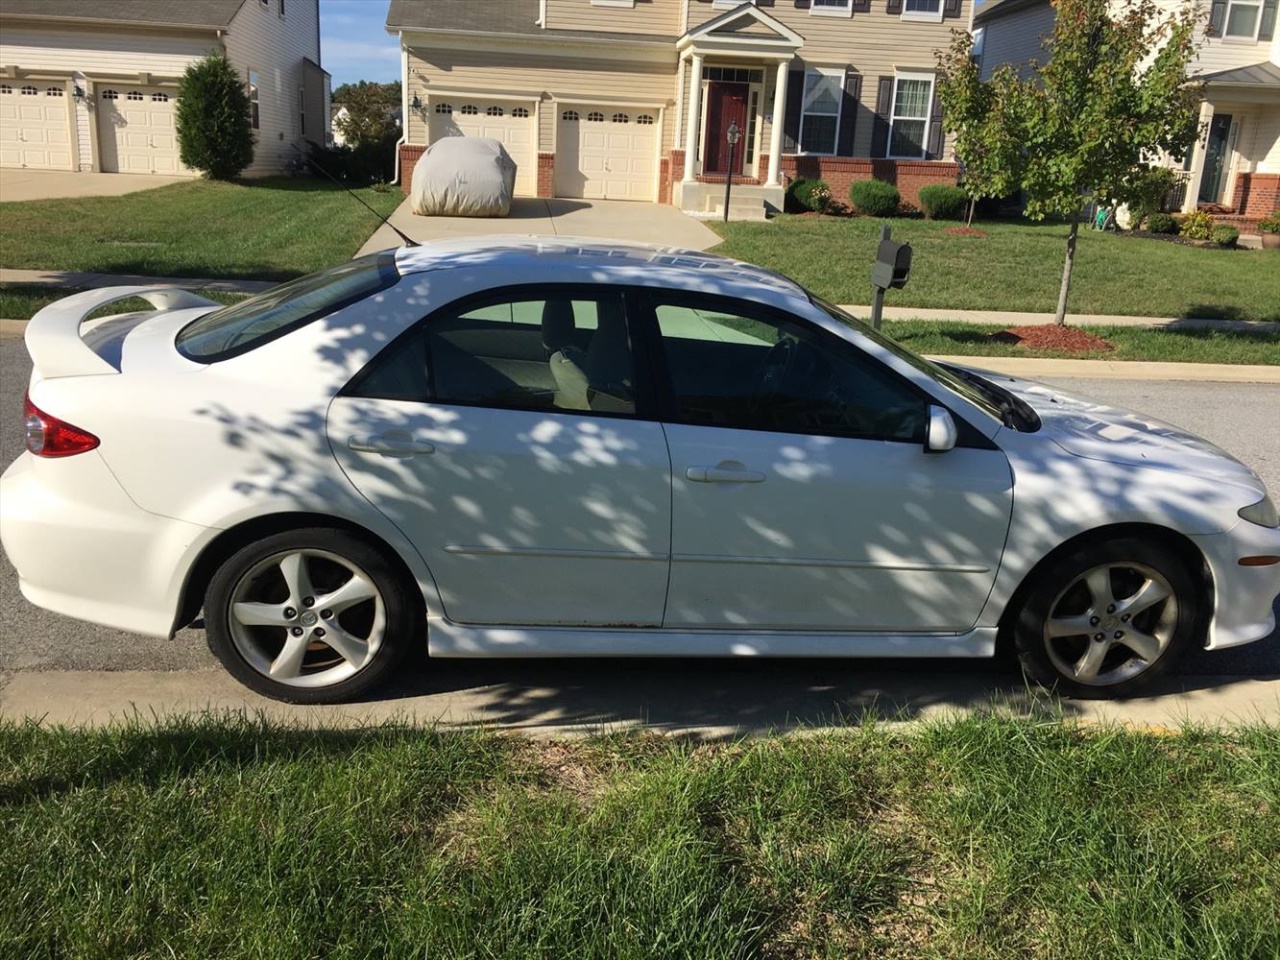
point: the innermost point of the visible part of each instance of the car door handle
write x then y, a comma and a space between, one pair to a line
720, 475
391, 446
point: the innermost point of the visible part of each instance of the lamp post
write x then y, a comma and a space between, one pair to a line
733, 136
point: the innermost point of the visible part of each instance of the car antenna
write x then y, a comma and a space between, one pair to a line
408, 241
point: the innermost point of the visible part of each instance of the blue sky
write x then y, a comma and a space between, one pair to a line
354, 44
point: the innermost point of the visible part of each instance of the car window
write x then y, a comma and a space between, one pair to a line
570, 352
260, 319
735, 367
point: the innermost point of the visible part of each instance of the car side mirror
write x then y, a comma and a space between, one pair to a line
942, 433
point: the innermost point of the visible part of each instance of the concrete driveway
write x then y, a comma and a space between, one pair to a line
607, 219
57, 184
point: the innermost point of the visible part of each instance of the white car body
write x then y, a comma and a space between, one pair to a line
533, 533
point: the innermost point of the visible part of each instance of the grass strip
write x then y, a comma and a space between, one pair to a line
21, 301
1015, 265
981, 837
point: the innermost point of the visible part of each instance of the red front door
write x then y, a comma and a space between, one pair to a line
726, 104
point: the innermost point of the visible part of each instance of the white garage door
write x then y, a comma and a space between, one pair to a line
606, 153
506, 120
35, 126
136, 131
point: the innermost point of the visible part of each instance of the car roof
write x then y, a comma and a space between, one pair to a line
562, 259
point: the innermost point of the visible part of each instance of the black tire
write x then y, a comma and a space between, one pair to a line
1064, 662
254, 577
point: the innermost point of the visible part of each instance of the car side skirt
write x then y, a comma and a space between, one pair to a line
448, 639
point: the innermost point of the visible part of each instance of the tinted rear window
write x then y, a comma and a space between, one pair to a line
251, 323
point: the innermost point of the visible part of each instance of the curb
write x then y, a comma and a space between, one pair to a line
1017, 318
1041, 369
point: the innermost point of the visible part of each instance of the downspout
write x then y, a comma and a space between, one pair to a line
404, 106
542, 14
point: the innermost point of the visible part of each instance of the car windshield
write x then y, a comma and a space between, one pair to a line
971, 391
253, 322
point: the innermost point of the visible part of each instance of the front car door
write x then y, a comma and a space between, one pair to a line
500, 435
803, 498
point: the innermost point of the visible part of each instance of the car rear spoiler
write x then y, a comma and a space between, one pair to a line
53, 335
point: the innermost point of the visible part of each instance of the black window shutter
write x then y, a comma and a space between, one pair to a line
880, 132
861, 6
802, 4
1217, 14
1268, 26
950, 9
791, 123
934, 148
848, 113
894, 7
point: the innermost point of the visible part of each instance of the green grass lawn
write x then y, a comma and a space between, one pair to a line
259, 229
1017, 266
1130, 343
982, 838
20, 301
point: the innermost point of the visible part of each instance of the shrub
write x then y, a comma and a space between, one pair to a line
1270, 224
215, 135
368, 162
807, 194
1224, 235
1147, 193
1196, 225
943, 202
1162, 223
874, 198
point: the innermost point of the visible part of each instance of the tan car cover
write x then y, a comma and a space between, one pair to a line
463, 177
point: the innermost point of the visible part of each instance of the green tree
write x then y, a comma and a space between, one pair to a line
215, 135
369, 118
390, 92
1112, 98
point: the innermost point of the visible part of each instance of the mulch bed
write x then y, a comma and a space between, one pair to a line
1052, 337
1173, 238
965, 232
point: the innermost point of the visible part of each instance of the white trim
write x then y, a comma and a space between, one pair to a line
629, 4
838, 73
922, 16
609, 102
505, 93
831, 11
932, 80
1257, 21
703, 31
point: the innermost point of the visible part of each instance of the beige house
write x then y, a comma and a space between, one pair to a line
635, 99
1234, 170
92, 84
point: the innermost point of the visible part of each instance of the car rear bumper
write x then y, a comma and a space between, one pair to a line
82, 548
1243, 596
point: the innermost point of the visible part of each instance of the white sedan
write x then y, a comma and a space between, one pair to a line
510, 447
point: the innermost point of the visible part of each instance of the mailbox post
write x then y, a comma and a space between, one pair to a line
891, 269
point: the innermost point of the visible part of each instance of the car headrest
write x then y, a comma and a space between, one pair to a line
557, 324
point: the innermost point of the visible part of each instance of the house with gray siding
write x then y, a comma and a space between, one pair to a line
635, 99
90, 85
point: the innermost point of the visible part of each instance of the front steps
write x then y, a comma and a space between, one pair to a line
746, 202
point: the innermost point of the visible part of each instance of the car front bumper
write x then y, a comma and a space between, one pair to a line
1243, 596
84, 549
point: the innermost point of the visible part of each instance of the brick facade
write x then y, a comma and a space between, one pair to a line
664, 180
546, 174
839, 172
1257, 195
409, 155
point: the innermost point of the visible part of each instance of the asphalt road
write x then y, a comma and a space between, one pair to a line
1240, 418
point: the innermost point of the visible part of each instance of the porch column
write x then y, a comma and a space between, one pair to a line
779, 120
693, 115
1196, 175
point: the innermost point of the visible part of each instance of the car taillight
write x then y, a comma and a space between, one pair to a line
47, 436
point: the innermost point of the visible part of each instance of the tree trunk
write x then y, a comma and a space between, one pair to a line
1060, 318
972, 204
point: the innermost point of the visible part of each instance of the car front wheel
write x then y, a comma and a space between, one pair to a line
1106, 619
310, 616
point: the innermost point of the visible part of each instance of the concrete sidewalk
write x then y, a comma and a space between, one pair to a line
93, 698
1016, 318
1032, 368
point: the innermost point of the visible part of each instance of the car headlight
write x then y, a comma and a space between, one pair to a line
1263, 513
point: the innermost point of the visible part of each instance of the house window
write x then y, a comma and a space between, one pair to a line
621, 118
927, 10
644, 120
470, 110
29, 91
733, 74
1242, 19
302, 112
159, 97
832, 8
595, 116
909, 122
135, 95
520, 113
280, 9
820, 111
752, 109
110, 95
5, 88
570, 116
495, 112
253, 98
444, 108
613, 3
53, 92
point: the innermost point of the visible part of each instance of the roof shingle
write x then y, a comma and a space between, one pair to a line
178, 13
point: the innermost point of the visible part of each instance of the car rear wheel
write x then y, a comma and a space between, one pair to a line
1107, 619
311, 616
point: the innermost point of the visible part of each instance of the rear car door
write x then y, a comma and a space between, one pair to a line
803, 497
501, 436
